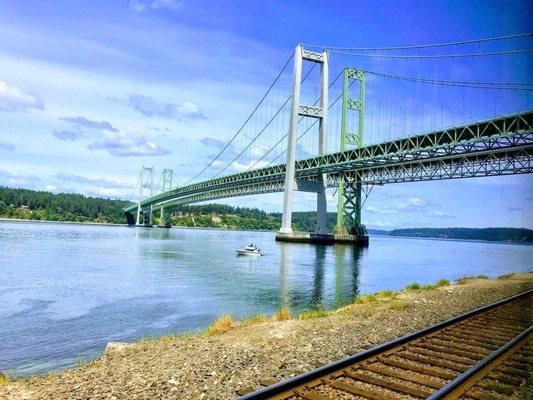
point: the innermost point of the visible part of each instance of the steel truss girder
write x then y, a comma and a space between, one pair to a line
513, 130
501, 162
506, 162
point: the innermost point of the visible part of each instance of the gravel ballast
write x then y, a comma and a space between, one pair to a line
217, 366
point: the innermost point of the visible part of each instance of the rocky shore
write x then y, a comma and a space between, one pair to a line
216, 366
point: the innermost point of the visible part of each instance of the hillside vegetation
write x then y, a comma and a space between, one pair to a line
490, 234
41, 205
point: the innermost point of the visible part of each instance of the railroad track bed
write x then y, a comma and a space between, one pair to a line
485, 354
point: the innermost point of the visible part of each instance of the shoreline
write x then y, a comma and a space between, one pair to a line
41, 221
232, 355
17, 220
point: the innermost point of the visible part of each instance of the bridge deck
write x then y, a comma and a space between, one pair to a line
498, 146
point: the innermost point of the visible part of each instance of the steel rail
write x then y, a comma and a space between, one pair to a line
457, 386
338, 365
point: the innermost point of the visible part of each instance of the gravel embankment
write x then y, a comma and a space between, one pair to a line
215, 367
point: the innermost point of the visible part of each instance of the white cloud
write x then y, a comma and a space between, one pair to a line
127, 145
259, 151
143, 5
151, 108
12, 178
385, 211
239, 167
441, 214
109, 192
14, 99
412, 203
378, 224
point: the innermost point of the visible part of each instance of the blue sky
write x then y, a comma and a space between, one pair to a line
91, 91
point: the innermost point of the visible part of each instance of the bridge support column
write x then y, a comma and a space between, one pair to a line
350, 192
321, 204
298, 110
286, 217
146, 181
166, 185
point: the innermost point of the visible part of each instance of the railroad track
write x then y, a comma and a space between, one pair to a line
484, 354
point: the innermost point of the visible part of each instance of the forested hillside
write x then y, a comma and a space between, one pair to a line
37, 205
223, 216
491, 234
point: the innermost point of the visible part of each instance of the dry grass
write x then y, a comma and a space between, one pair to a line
311, 314
386, 294
466, 279
369, 298
413, 286
442, 282
222, 324
283, 314
254, 319
438, 284
399, 305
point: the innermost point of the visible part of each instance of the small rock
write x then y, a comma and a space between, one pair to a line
116, 346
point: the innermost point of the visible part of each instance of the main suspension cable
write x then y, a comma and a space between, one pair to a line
423, 46
419, 56
471, 84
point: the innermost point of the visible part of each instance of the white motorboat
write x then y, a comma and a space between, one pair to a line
250, 251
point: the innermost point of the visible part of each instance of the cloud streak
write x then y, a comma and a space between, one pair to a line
98, 182
13, 99
87, 123
144, 5
68, 135
7, 146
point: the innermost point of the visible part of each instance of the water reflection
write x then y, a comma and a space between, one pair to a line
347, 261
284, 265
334, 281
318, 279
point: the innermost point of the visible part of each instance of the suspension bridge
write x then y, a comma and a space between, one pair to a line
404, 114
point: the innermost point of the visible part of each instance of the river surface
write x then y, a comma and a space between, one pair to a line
66, 290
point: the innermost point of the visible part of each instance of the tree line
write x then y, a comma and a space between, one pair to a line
491, 234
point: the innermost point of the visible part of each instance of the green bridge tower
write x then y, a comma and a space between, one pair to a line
350, 191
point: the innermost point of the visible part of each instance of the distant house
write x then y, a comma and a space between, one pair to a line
23, 207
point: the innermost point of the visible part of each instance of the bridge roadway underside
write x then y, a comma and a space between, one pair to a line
501, 146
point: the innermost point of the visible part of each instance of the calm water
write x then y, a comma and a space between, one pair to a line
67, 290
